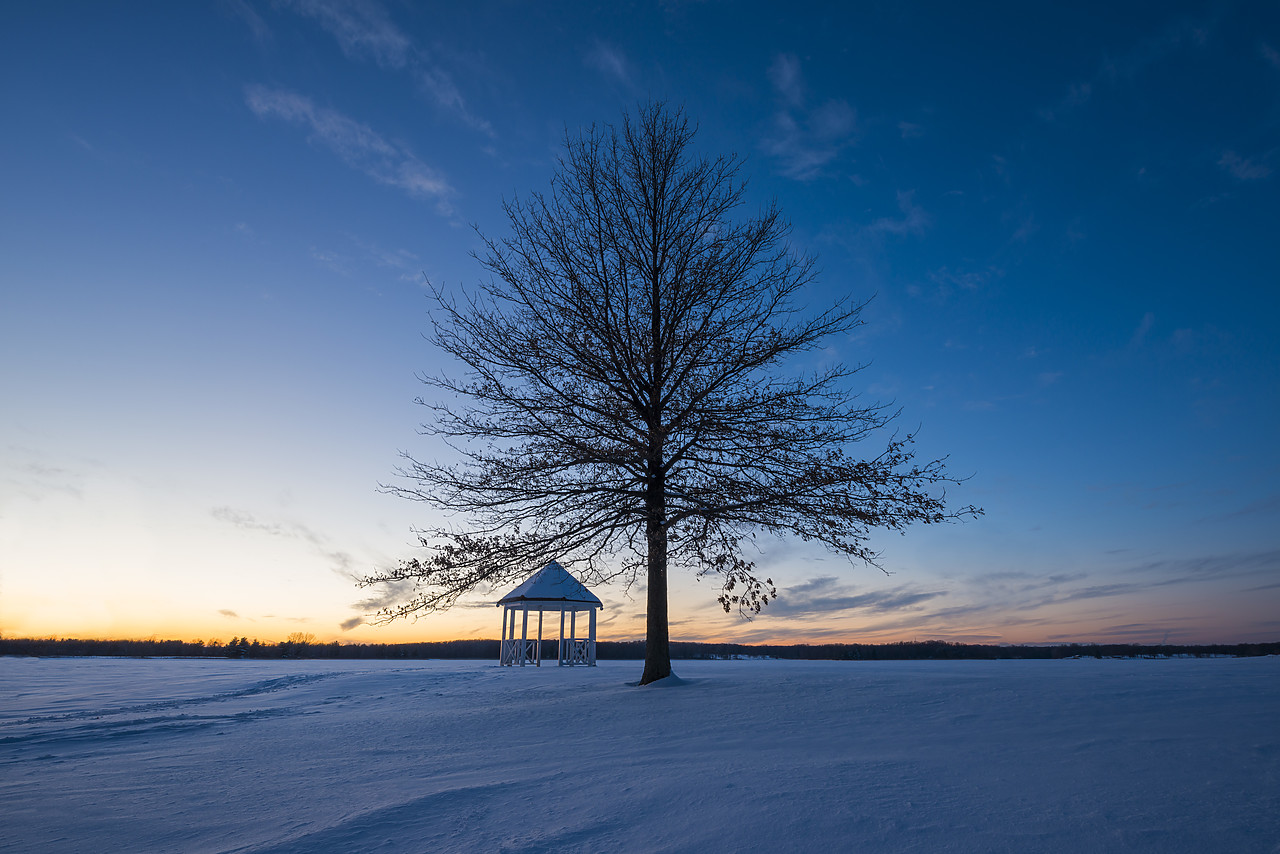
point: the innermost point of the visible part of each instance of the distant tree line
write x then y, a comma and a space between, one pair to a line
304, 646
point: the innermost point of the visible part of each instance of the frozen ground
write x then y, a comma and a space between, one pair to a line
1021, 756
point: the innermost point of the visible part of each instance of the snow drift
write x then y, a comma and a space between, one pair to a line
320, 756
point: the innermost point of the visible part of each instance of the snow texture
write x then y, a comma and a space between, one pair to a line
961, 756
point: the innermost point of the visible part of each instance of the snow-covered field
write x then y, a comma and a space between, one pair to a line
114, 755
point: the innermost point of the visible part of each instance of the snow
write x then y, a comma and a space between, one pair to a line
958, 756
552, 583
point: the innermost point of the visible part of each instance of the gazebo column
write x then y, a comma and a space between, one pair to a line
511, 637
591, 644
537, 658
502, 644
524, 637
560, 649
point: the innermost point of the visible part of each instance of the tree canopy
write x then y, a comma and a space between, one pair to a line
630, 401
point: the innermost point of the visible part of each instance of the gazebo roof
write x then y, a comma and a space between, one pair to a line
552, 583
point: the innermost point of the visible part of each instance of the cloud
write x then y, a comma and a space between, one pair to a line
910, 130
340, 561
358, 145
914, 219
610, 60
247, 522
1139, 336
992, 605
1078, 94
805, 140
1027, 226
242, 10
227, 612
385, 595
348, 625
1147, 631
994, 594
948, 281
362, 28
1225, 565
1267, 505
406, 265
36, 480
1048, 378
1125, 67
1242, 168
1271, 55
438, 83
343, 563
785, 76
825, 595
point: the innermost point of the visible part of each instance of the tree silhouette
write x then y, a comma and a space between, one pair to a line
629, 401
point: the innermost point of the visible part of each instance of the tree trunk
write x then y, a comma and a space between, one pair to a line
657, 645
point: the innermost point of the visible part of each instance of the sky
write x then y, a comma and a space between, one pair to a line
216, 220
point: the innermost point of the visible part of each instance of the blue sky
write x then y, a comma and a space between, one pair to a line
216, 218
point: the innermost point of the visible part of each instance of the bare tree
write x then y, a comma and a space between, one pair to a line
621, 405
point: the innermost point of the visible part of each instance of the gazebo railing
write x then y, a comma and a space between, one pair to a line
520, 651
576, 651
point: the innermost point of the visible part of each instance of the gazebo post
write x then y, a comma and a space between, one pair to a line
524, 637
538, 656
511, 640
511, 636
502, 644
591, 645
560, 648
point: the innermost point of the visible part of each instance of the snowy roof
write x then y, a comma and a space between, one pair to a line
552, 583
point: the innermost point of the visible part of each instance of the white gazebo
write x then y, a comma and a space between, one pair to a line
551, 588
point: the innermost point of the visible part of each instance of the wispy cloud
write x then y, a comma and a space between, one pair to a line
913, 220
36, 480
825, 595
340, 561
1047, 378
364, 31
1223, 565
611, 60
384, 595
359, 254
805, 139
1271, 55
1139, 336
406, 265
997, 595
1076, 96
358, 145
947, 281
438, 83
249, 522
1125, 67
251, 19
1026, 226
868, 241
1242, 168
993, 604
